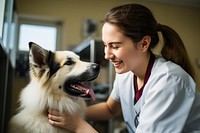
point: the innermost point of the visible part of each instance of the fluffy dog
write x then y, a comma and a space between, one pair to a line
55, 82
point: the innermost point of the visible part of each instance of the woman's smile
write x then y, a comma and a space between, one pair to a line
116, 63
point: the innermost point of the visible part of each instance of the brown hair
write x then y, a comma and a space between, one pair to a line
136, 21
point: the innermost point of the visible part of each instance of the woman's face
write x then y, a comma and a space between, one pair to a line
120, 50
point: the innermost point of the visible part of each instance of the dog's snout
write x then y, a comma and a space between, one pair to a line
95, 66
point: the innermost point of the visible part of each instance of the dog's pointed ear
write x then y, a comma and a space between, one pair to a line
37, 55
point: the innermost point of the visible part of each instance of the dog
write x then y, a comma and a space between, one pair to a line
56, 82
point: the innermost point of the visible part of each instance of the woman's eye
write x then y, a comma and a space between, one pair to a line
114, 47
70, 62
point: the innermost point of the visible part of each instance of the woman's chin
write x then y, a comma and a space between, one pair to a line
120, 71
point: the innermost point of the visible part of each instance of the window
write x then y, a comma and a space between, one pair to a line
46, 33
43, 35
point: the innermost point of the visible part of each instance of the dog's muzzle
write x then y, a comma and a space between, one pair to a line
75, 85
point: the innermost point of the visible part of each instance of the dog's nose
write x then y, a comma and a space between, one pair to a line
95, 66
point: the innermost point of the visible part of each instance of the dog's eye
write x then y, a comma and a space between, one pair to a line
69, 62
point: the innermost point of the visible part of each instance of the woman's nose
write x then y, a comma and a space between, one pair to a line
108, 54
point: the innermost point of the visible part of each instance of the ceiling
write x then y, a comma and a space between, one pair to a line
190, 3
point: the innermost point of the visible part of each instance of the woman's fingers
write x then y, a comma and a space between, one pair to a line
64, 120
55, 116
56, 123
53, 112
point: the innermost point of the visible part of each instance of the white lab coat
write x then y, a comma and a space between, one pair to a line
170, 102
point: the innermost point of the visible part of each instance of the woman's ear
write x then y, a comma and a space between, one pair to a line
145, 43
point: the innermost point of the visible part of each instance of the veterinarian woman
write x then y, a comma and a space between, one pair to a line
155, 94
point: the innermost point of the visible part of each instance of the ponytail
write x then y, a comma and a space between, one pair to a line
174, 49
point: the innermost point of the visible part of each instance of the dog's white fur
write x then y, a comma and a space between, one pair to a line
46, 91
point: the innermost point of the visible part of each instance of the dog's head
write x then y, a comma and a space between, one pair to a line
61, 70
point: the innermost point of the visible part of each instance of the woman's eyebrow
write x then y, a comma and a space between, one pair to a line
112, 43
115, 43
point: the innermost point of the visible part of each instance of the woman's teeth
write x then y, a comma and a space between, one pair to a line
117, 62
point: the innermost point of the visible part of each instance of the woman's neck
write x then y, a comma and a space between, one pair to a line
140, 71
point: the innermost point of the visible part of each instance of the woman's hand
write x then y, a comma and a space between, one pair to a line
58, 119
66, 121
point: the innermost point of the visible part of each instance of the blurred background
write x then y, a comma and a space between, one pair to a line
74, 25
